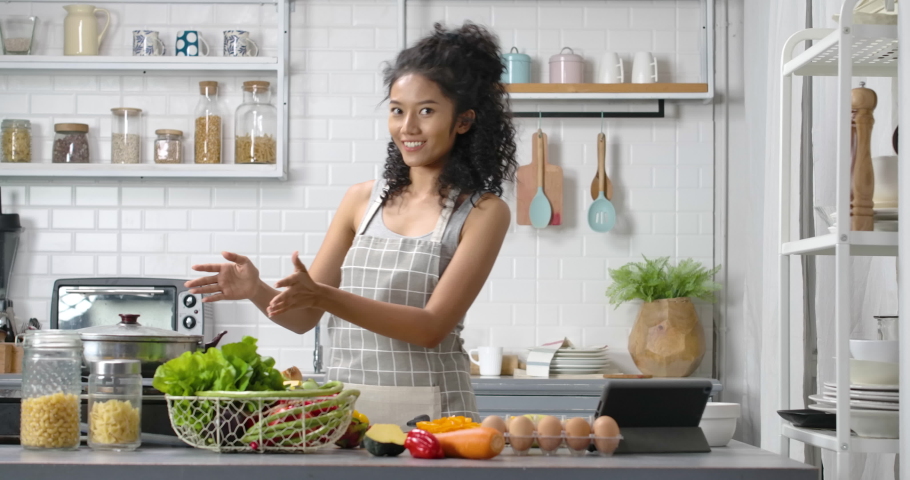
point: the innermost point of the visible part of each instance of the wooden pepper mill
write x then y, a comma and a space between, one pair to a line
863, 101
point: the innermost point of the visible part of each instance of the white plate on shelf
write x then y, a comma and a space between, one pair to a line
578, 370
892, 397
869, 423
857, 403
880, 388
579, 362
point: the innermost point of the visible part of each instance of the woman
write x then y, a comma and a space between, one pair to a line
405, 257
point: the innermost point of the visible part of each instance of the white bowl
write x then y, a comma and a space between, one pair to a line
719, 422
875, 350
870, 423
865, 372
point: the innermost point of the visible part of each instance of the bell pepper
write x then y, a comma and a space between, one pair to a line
355, 431
423, 444
448, 424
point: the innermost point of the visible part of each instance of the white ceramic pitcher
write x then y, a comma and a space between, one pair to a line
80, 30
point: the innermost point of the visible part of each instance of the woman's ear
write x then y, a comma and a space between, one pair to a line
464, 121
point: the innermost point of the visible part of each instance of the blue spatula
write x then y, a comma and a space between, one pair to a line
540, 210
601, 214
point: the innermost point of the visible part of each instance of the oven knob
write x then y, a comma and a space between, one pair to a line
189, 301
189, 322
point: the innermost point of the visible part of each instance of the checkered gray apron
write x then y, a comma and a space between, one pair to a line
403, 271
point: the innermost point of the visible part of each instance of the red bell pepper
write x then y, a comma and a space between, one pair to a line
423, 444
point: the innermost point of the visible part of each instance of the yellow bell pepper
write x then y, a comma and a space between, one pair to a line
448, 424
360, 417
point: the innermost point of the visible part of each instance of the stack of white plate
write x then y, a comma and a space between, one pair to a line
580, 361
873, 408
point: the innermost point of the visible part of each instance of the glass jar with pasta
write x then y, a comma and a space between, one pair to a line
255, 125
51, 385
209, 113
15, 141
114, 405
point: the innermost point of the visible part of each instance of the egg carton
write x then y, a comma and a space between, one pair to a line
550, 445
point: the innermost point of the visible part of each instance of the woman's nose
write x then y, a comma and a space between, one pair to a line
411, 124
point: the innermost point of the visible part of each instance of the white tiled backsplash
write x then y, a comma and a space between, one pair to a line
546, 284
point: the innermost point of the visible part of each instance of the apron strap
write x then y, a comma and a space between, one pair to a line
444, 216
373, 208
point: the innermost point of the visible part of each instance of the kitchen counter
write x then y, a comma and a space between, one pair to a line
737, 461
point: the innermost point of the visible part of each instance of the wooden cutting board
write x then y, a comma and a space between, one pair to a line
10, 358
527, 184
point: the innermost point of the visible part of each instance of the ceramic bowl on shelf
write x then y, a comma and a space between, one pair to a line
718, 422
869, 423
875, 350
865, 372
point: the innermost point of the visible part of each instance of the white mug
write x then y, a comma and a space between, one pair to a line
611, 69
644, 68
237, 43
147, 44
490, 360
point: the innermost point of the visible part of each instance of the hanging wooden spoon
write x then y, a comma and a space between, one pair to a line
596, 185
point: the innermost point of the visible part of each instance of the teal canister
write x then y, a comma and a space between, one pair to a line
518, 67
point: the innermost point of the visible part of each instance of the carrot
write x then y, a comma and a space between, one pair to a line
478, 443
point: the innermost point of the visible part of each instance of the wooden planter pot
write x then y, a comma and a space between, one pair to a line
667, 339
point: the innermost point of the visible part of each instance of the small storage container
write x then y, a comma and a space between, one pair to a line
70, 143
518, 67
567, 67
114, 405
168, 146
51, 385
126, 136
16, 141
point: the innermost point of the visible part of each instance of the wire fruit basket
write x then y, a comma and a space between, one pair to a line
292, 422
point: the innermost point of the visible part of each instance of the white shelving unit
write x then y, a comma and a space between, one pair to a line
851, 50
167, 65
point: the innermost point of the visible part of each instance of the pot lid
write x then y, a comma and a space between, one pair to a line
566, 57
130, 330
515, 55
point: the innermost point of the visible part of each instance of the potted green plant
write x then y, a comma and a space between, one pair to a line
667, 339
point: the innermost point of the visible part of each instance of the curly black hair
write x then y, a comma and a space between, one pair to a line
466, 64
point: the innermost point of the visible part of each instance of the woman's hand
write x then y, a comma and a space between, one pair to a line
237, 280
301, 290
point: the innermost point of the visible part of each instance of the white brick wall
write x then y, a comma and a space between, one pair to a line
545, 285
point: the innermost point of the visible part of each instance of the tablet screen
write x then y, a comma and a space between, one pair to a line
677, 402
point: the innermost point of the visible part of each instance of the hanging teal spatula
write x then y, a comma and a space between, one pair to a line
540, 210
601, 214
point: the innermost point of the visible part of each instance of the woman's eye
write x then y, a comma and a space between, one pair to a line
396, 111
426, 111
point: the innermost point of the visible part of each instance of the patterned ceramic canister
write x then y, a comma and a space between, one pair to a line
190, 44
237, 43
146, 43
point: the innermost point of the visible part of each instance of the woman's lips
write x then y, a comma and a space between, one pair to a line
413, 146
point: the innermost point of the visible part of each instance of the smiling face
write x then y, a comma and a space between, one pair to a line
422, 120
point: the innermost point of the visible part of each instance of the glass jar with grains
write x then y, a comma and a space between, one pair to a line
15, 141
209, 113
125, 135
168, 146
51, 385
256, 125
114, 405
70, 143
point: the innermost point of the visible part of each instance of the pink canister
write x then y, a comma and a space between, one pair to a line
567, 67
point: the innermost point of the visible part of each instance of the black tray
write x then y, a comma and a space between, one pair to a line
808, 418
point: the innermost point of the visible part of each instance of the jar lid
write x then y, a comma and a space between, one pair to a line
566, 57
71, 127
255, 85
117, 367
210, 85
130, 330
165, 131
15, 123
52, 339
129, 111
514, 55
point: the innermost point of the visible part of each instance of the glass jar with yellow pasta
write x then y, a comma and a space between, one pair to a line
255, 125
208, 127
114, 405
51, 384
15, 141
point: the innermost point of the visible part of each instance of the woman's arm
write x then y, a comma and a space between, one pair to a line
481, 238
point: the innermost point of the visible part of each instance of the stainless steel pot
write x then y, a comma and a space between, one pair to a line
130, 340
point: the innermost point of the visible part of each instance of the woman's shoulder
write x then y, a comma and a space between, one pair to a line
489, 211
356, 201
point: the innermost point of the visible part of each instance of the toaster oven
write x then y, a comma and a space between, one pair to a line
160, 302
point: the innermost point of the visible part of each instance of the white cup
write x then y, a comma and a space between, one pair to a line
644, 68
490, 360
611, 70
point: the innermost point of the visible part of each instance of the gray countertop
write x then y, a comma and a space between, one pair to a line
737, 461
